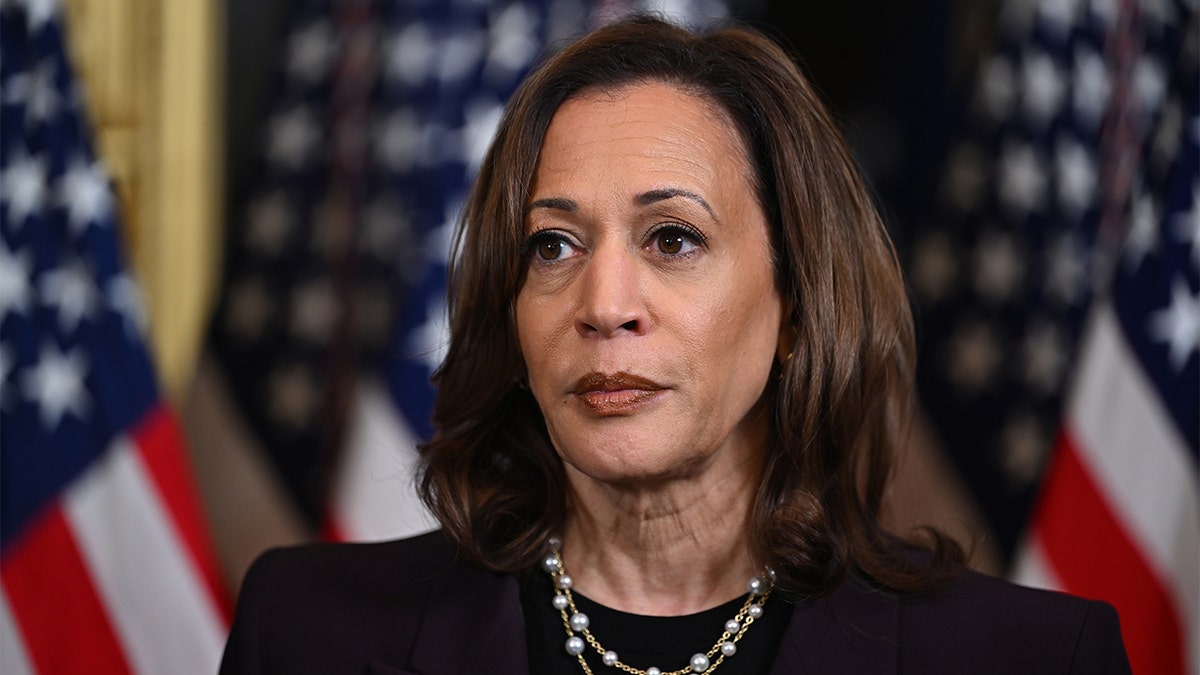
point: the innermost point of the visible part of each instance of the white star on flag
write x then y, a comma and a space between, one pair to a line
1058, 16
40, 12
1090, 88
292, 138
16, 270
85, 191
410, 55
513, 44
483, 116
1065, 270
1178, 324
6, 369
1143, 232
270, 220
42, 101
23, 187
974, 356
1043, 87
458, 54
314, 311
999, 87
430, 341
55, 384
998, 268
965, 179
1076, 174
1022, 178
310, 51
1187, 225
125, 298
69, 286
1044, 356
397, 140
935, 266
1150, 83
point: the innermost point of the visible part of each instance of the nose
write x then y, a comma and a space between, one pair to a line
611, 301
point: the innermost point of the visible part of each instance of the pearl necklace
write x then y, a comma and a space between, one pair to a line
577, 623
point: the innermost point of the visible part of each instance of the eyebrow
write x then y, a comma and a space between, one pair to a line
556, 203
643, 199
652, 196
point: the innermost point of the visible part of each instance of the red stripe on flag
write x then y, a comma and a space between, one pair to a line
1093, 557
160, 446
63, 622
331, 531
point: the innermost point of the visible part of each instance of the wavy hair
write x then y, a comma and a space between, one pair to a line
841, 401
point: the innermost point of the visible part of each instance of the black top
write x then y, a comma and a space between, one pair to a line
667, 642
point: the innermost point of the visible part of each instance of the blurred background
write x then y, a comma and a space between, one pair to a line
225, 230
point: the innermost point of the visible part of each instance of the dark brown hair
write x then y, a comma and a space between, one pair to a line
841, 400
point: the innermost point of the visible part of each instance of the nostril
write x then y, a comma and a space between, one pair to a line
630, 325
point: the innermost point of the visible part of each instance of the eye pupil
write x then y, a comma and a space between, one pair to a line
671, 243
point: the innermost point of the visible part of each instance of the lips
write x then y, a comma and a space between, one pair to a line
615, 393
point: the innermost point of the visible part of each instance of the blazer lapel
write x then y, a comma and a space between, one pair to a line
852, 630
473, 624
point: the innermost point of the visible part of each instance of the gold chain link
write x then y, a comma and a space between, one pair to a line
742, 617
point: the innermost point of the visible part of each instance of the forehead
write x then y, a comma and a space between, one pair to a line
646, 124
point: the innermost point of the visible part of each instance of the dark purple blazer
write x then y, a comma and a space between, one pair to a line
411, 607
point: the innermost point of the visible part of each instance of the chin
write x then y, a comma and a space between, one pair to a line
630, 463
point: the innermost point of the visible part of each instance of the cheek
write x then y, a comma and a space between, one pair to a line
535, 330
527, 338
742, 336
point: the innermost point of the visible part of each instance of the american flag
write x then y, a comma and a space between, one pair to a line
1119, 517
1025, 285
1004, 275
405, 143
105, 564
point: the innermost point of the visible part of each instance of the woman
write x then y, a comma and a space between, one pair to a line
680, 364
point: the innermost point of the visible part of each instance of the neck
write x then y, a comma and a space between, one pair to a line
669, 548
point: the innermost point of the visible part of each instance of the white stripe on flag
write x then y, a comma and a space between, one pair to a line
13, 659
374, 496
162, 612
1140, 462
1032, 569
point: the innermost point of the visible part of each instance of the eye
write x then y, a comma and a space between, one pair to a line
676, 240
549, 246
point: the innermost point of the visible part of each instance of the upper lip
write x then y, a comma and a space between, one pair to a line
613, 382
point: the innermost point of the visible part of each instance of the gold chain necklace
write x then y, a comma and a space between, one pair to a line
579, 634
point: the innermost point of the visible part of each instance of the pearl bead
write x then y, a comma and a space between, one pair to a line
579, 622
732, 626
728, 648
609, 658
755, 611
575, 645
560, 602
699, 663
550, 563
653, 671
756, 585
554, 543
564, 581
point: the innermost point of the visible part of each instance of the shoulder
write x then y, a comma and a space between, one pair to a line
980, 621
317, 604
336, 568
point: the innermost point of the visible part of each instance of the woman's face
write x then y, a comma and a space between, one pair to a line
649, 317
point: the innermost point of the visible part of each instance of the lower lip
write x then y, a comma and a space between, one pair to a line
619, 402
